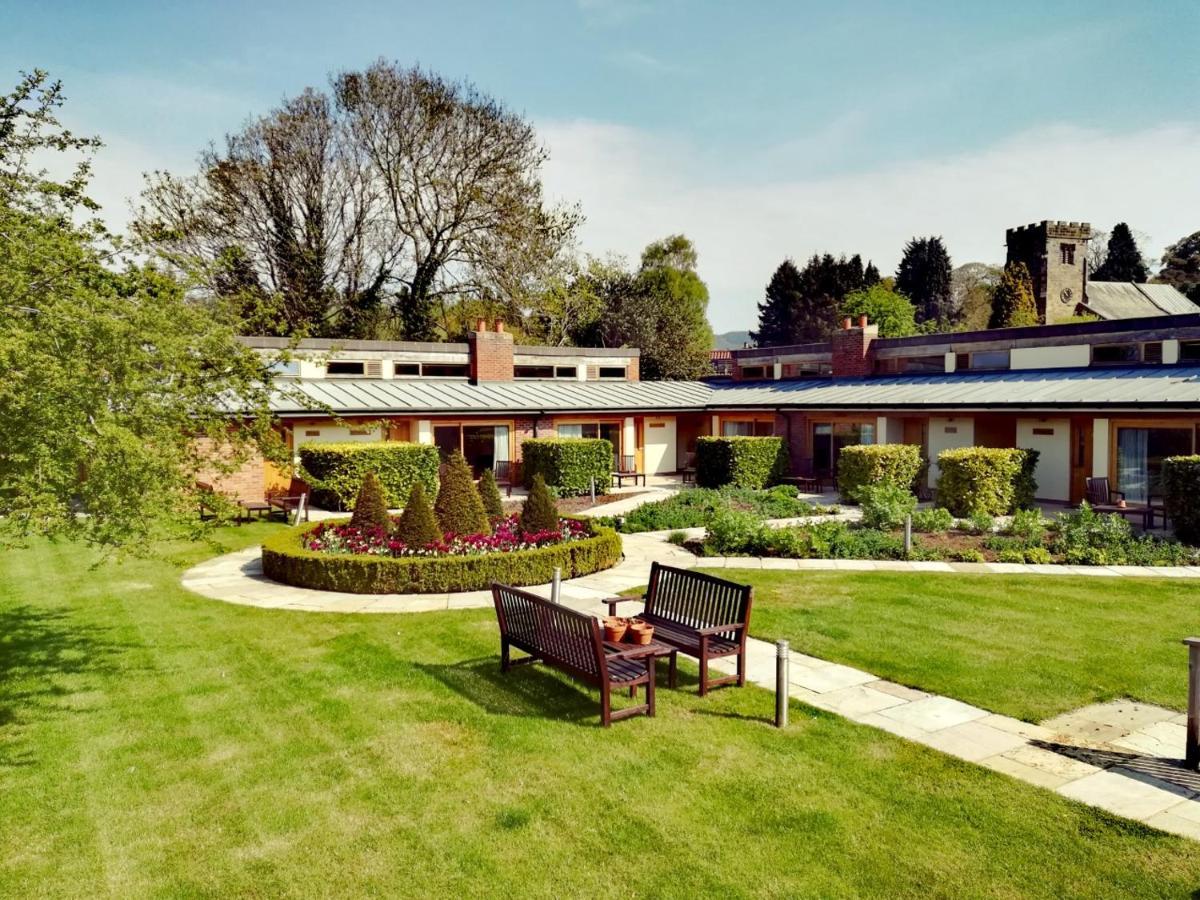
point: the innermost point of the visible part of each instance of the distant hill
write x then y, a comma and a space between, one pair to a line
731, 340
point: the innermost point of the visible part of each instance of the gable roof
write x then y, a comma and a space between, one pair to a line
1127, 300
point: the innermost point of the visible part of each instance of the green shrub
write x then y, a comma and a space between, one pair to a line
489, 493
694, 508
745, 462
734, 533
1011, 555
1085, 537
568, 464
1038, 555
459, 509
863, 465
1025, 484
678, 538
540, 512
885, 505
288, 560
968, 555
1028, 525
418, 526
335, 472
370, 510
978, 479
936, 520
980, 523
1181, 489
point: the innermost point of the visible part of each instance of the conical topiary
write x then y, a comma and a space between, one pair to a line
417, 526
458, 507
370, 509
489, 493
540, 512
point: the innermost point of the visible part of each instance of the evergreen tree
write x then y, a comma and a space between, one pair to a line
870, 275
418, 526
801, 305
924, 276
1013, 303
370, 509
489, 493
540, 512
458, 507
1124, 260
777, 311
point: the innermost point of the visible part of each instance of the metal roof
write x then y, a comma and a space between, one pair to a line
1127, 300
1134, 388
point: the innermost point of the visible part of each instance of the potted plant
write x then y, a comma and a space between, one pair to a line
640, 632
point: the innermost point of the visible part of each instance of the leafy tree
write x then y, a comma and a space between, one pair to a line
418, 526
1123, 261
540, 512
114, 401
489, 494
924, 276
870, 275
801, 305
370, 508
892, 312
971, 287
1181, 266
1013, 303
458, 507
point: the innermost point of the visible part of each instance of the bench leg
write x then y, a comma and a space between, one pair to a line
605, 706
672, 669
741, 667
703, 665
650, 667
504, 660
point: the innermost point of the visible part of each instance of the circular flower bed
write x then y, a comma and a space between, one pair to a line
336, 556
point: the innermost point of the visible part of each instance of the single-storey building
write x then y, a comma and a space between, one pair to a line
1108, 398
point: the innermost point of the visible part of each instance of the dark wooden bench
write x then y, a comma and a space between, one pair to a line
572, 642
294, 501
627, 469
700, 615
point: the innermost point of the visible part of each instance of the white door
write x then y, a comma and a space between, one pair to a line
325, 434
659, 445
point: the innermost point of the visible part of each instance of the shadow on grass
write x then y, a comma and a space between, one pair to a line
45, 656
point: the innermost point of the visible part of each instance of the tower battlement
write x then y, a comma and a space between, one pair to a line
1052, 228
1055, 253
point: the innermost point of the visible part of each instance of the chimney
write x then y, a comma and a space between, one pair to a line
491, 353
853, 354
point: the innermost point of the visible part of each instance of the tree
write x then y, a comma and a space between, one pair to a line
489, 494
540, 512
368, 211
1181, 266
417, 526
458, 507
370, 508
115, 397
776, 314
971, 287
870, 275
892, 312
1013, 303
1123, 260
924, 276
801, 305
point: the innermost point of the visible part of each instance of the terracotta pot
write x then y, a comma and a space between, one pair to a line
1121, 503
640, 632
614, 629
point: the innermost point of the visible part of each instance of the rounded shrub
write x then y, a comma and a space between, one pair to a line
370, 509
885, 505
335, 472
540, 512
1181, 489
459, 509
568, 464
745, 462
978, 480
287, 559
489, 493
417, 526
860, 465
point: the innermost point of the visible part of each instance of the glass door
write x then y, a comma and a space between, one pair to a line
1140, 453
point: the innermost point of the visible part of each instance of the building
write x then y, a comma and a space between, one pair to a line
1128, 300
1109, 398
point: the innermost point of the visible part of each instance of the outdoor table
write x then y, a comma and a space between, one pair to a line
654, 648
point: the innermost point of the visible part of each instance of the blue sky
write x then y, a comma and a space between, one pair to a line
761, 130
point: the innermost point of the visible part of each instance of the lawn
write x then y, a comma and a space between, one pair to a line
1027, 646
157, 743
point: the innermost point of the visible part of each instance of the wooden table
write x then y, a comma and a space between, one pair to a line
246, 507
655, 648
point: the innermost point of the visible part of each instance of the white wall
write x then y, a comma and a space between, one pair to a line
1099, 448
325, 434
1071, 356
659, 450
1053, 471
947, 433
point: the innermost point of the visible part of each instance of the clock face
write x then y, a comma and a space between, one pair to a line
1067, 295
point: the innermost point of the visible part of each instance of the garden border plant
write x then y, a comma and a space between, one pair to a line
286, 559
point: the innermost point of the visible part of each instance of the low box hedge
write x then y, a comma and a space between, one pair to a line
336, 471
978, 480
1181, 495
285, 558
860, 465
568, 464
745, 462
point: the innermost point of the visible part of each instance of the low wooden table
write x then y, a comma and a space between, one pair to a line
246, 507
654, 648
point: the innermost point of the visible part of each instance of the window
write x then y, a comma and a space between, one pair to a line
804, 370
1189, 351
1115, 354
1066, 253
1140, 453
747, 427
753, 372
990, 359
610, 431
533, 372
612, 372
565, 372
406, 370
443, 370
924, 364
484, 446
1152, 353
342, 367
289, 368
828, 439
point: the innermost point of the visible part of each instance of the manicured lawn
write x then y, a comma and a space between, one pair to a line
157, 743
1027, 646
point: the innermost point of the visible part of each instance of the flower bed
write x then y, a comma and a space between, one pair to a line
335, 556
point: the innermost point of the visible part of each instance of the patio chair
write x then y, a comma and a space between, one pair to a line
1103, 499
627, 468
295, 500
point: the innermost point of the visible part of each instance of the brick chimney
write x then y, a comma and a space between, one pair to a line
491, 353
853, 354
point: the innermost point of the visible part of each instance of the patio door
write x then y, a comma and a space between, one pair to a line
1140, 452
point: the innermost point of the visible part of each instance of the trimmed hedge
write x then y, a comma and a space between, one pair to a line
745, 462
1181, 489
335, 472
1025, 484
286, 559
860, 465
568, 464
978, 480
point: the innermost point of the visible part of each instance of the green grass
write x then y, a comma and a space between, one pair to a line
153, 742
1027, 646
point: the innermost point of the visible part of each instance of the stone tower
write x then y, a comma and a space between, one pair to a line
1056, 255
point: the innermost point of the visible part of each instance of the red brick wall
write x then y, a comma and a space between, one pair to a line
633, 371
523, 430
853, 354
247, 482
491, 355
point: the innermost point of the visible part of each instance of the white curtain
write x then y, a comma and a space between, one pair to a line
570, 431
1132, 463
500, 451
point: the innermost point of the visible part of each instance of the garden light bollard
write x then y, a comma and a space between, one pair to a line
556, 585
593, 490
1191, 754
908, 536
781, 683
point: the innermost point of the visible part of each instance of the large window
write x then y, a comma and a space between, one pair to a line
1140, 452
344, 367
610, 431
484, 446
747, 427
828, 439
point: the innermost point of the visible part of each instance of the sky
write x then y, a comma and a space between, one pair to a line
760, 130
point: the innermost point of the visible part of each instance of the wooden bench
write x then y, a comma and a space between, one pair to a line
572, 642
294, 501
627, 469
700, 615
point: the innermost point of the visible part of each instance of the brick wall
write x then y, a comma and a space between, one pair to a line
491, 353
247, 482
524, 429
633, 371
853, 353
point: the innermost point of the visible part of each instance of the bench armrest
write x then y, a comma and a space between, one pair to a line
718, 629
613, 601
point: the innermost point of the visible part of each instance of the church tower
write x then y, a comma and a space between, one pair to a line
1056, 255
